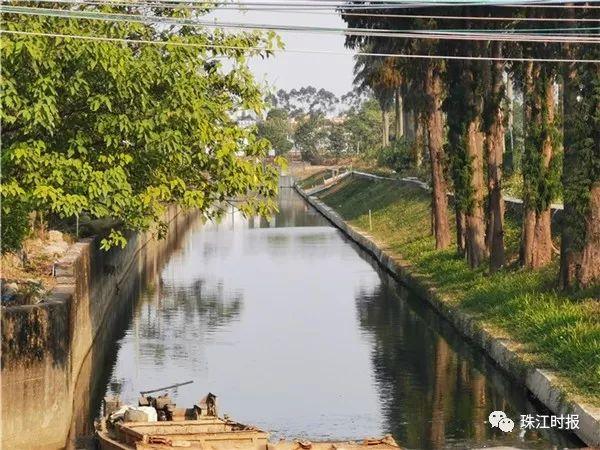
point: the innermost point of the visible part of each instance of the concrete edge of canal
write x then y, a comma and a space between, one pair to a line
45, 346
541, 383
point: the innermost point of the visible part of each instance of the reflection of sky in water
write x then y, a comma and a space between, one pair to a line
299, 335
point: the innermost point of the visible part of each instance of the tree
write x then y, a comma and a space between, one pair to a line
364, 126
476, 131
426, 76
493, 124
338, 139
305, 100
476, 250
120, 130
355, 99
580, 245
458, 159
371, 73
541, 158
276, 128
435, 138
310, 137
540, 166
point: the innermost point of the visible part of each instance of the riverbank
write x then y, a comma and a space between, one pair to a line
545, 340
47, 346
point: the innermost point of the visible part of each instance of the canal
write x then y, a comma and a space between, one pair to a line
300, 333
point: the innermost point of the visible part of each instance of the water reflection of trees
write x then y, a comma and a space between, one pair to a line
293, 212
173, 321
434, 392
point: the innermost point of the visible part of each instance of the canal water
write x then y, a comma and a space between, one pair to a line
299, 333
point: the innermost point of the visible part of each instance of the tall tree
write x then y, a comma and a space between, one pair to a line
541, 156
494, 142
465, 107
540, 163
458, 161
371, 73
434, 91
580, 245
427, 76
305, 100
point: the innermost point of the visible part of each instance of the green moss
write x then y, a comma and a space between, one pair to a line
561, 333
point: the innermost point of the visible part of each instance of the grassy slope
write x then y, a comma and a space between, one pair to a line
559, 332
315, 179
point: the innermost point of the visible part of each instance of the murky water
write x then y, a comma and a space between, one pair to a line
300, 334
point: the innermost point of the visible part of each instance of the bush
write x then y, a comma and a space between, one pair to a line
14, 224
396, 156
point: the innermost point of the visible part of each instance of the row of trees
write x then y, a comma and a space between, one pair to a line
462, 106
319, 124
98, 129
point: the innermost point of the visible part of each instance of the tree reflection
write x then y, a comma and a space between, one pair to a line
173, 312
436, 391
291, 213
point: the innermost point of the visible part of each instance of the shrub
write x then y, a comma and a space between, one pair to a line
14, 225
396, 156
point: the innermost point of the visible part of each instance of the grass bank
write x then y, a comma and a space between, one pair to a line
315, 179
557, 332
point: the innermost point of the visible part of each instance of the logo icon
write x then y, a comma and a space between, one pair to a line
498, 419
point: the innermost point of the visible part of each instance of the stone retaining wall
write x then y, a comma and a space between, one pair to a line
44, 346
541, 383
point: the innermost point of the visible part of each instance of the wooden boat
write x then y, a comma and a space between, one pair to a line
200, 428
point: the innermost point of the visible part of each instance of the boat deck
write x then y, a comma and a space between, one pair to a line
213, 433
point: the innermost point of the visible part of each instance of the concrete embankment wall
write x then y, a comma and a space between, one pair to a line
46, 346
541, 383
512, 204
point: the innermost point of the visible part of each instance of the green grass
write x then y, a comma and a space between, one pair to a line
559, 332
315, 179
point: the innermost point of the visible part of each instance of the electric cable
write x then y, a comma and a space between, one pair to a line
306, 51
509, 36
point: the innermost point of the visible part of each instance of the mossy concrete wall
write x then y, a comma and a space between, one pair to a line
46, 348
541, 383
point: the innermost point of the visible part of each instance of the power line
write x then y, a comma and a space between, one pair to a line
376, 4
445, 17
273, 50
407, 34
242, 7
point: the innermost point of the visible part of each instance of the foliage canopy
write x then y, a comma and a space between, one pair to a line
119, 130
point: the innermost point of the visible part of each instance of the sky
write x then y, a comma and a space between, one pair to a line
294, 70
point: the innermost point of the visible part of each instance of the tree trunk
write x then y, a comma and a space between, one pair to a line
475, 216
419, 146
435, 133
385, 136
399, 115
415, 120
510, 123
536, 245
580, 264
495, 146
461, 233
580, 245
537, 239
